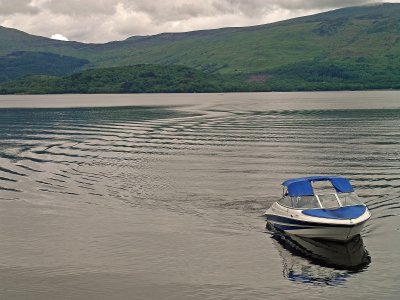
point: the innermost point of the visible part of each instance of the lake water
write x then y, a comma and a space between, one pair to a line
162, 196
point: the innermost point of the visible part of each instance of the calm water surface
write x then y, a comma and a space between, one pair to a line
162, 196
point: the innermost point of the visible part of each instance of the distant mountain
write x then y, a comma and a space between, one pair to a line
352, 48
13, 40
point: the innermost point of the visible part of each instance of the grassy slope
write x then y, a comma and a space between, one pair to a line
370, 33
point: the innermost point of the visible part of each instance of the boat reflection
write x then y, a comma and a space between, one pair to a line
320, 262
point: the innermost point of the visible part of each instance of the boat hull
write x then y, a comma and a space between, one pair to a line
320, 231
293, 222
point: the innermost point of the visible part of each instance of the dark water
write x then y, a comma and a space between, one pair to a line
162, 196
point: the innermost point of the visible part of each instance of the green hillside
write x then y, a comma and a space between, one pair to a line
349, 48
367, 34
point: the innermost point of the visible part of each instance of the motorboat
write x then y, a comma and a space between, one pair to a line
322, 207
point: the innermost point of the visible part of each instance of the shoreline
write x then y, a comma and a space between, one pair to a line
285, 100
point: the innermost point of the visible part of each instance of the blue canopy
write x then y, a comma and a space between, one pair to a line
302, 186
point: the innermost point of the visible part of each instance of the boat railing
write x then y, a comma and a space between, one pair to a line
321, 200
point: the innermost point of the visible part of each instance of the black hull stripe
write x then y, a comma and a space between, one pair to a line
287, 227
288, 221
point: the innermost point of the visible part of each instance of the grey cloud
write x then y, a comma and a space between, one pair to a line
79, 7
258, 7
8, 7
320, 4
168, 10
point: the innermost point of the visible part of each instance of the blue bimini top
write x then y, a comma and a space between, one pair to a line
302, 186
341, 213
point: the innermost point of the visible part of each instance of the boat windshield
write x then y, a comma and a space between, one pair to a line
302, 202
349, 199
328, 201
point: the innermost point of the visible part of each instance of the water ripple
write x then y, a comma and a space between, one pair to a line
212, 156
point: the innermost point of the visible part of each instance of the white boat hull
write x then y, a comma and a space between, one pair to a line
293, 222
321, 232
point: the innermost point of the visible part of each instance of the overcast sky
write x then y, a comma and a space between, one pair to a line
107, 20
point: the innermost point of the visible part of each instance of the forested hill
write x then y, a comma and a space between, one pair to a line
130, 79
349, 48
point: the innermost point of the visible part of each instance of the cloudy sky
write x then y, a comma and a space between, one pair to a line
106, 20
